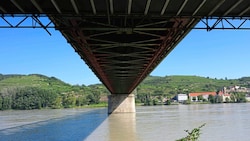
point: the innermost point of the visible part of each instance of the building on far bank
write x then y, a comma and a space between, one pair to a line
237, 89
248, 97
194, 96
181, 97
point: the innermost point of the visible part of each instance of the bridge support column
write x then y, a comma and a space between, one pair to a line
121, 103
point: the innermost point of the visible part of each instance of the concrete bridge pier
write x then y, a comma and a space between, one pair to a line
121, 103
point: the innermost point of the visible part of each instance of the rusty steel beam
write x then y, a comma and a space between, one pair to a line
90, 57
122, 42
164, 49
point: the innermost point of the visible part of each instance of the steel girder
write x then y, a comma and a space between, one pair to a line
122, 56
207, 23
123, 41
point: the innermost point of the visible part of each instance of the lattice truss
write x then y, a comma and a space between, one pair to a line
120, 55
122, 50
208, 23
122, 41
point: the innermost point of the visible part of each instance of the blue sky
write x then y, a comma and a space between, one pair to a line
215, 54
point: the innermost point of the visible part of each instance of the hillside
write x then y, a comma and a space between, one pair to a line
33, 80
152, 84
170, 85
37, 91
47, 83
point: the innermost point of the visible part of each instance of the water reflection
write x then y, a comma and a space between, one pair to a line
223, 122
16, 118
122, 127
116, 127
50, 125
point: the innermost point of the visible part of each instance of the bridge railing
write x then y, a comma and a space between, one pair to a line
42, 21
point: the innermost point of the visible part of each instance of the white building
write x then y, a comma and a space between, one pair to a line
181, 97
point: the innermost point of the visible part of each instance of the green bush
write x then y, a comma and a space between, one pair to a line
193, 135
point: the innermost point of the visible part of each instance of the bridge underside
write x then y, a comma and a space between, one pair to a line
125, 51
122, 41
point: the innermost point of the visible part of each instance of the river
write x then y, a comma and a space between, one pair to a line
229, 122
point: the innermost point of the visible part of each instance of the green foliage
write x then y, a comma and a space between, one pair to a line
192, 135
81, 101
168, 102
238, 97
215, 99
149, 100
6, 103
218, 99
69, 101
200, 97
211, 99
39, 91
27, 98
245, 81
187, 101
169, 86
57, 103
1, 102
93, 97
182, 84
227, 100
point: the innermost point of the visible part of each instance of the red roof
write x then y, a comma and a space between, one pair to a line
204, 93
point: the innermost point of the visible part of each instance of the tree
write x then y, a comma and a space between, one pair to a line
154, 101
239, 97
148, 100
227, 100
157, 92
6, 103
200, 97
57, 103
140, 97
32, 98
187, 101
211, 99
69, 101
168, 102
232, 97
81, 100
218, 99
93, 98
1, 102
172, 92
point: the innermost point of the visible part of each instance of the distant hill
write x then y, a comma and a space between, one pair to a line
33, 80
170, 85
48, 83
167, 85
37, 91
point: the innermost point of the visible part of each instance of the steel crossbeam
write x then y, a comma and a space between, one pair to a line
123, 41
207, 23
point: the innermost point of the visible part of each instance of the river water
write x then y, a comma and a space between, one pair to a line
229, 122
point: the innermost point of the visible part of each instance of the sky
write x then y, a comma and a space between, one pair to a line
215, 54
